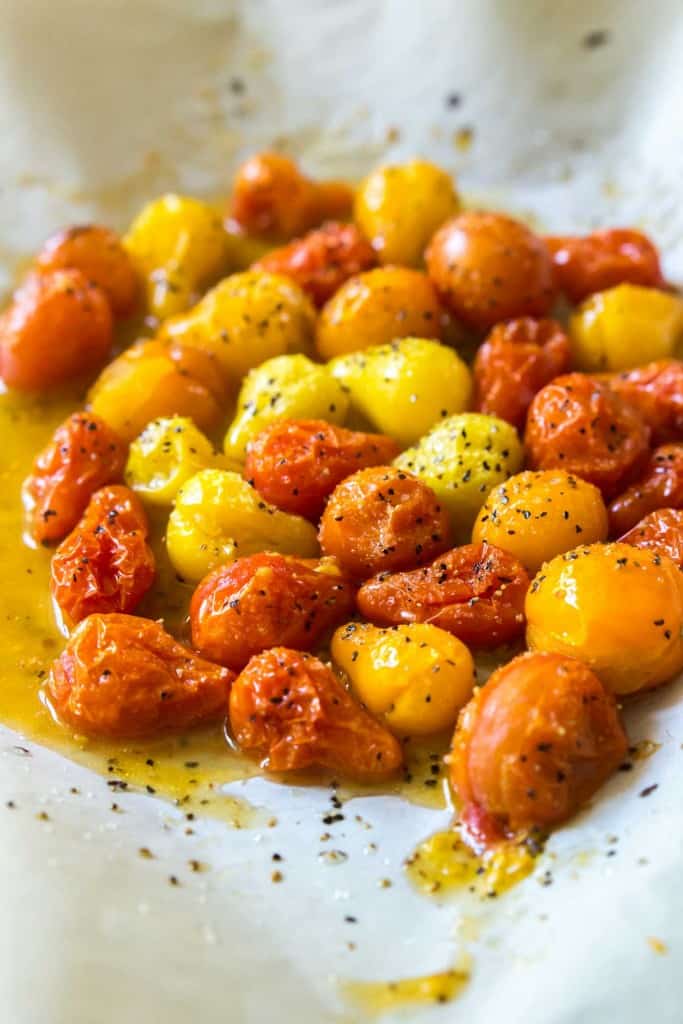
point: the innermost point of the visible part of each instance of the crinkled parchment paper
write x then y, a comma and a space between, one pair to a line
565, 110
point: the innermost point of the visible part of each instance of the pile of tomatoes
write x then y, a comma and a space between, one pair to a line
379, 507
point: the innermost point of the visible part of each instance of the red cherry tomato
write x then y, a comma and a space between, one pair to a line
603, 259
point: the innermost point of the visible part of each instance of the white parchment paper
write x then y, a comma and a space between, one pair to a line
574, 112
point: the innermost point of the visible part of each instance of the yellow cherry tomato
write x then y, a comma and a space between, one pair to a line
218, 516
179, 246
398, 208
415, 677
624, 327
536, 516
404, 388
377, 307
615, 607
247, 318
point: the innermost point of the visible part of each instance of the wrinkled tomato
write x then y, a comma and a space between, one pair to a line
660, 486
660, 531
296, 464
121, 676
265, 600
656, 390
578, 424
476, 592
322, 260
83, 455
291, 711
515, 361
603, 259
383, 519
105, 564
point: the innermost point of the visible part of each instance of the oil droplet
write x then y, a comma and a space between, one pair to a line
445, 863
377, 997
463, 138
656, 945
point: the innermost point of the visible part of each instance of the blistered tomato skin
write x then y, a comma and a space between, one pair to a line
656, 390
534, 744
616, 607
322, 260
603, 259
461, 459
625, 326
404, 388
578, 424
536, 516
414, 677
476, 592
164, 456
660, 486
83, 455
376, 308
264, 601
291, 711
57, 327
273, 198
488, 267
382, 519
123, 677
400, 207
514, 362
105, 564
98, 253
660, 531
296, 464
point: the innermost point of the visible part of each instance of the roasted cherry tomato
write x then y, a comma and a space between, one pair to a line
660, 531
291, 711
83, 455
266, 600
58, 326
97, 252
272, 197
488, 267
660, 486
656, 390
533, 745
296, 464
322, 260
382, 519
578, 424
121, 676
616, 607
515, 361
105, 564
592, 263
476, 592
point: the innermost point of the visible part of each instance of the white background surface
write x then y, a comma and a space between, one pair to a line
106, 104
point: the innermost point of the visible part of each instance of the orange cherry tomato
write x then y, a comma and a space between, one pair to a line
97, 252
660, 486
383, 519
272, 197
105, 564
603, 259
83, 455
488, 267
263, 601
322, 260
515, 361
578, 424
58, 326
656, 390
660, 531
296, 464
123, 677
292, 711
476, 592
533, 745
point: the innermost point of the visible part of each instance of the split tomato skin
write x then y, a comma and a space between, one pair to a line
656, 390
660, 531
124, 677
659, 486
105, 564
267, 600
586, 264
292, 712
